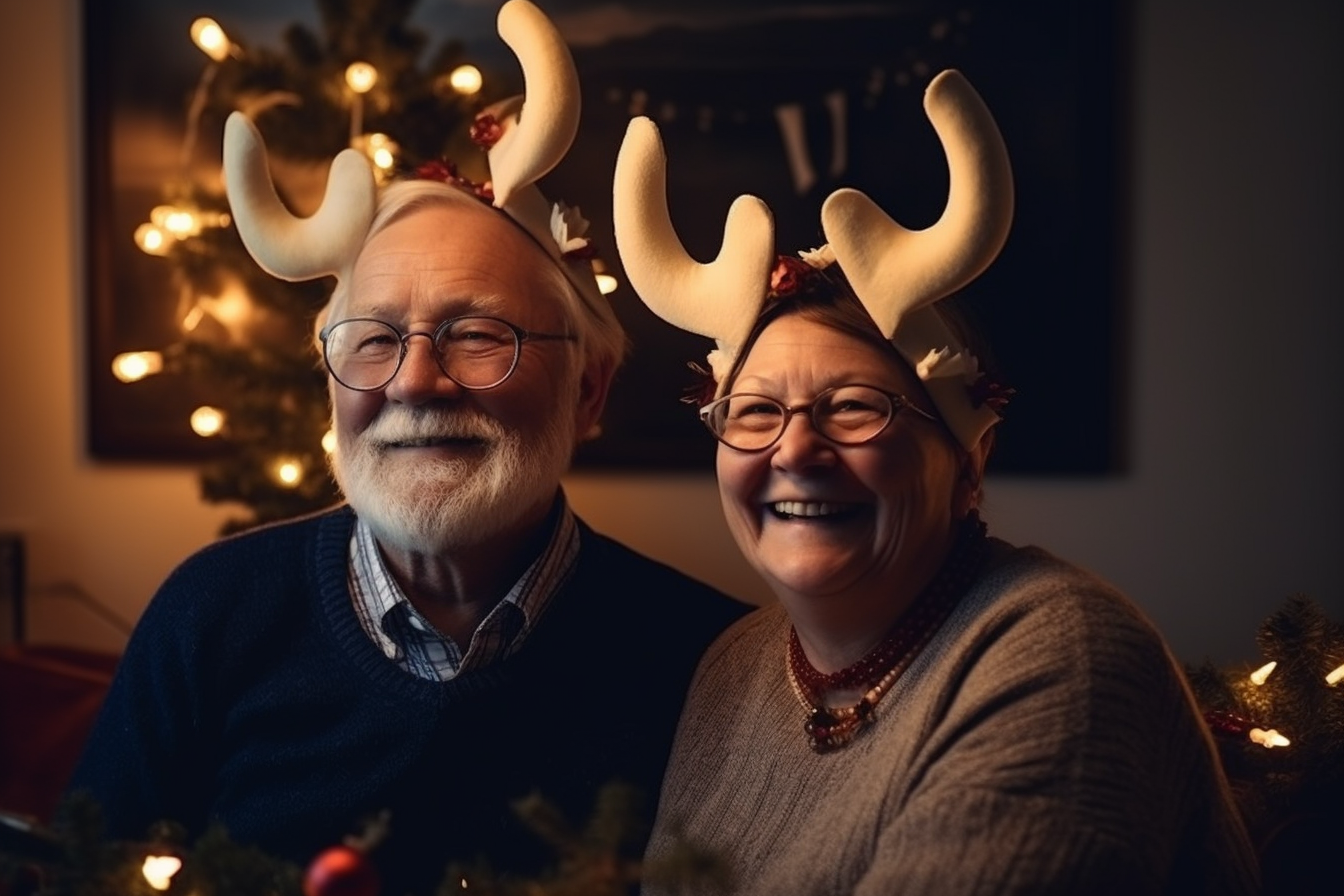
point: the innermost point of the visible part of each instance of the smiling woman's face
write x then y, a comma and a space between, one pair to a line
817, 519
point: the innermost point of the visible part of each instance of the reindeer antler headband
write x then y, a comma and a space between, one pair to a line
898, 274
526, 149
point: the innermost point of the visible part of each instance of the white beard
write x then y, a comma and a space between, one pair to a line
439, 505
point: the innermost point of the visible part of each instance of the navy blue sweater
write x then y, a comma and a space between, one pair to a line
249, 695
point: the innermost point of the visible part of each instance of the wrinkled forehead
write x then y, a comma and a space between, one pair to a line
448, 246
824, 350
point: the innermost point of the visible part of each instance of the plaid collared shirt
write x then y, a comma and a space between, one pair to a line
409, 640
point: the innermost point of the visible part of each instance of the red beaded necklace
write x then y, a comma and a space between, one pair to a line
830, 728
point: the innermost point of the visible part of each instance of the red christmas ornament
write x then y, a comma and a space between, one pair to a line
341, 871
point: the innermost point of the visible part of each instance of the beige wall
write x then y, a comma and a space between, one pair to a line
1235, 383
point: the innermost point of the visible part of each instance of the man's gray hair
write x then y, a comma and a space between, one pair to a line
601, 338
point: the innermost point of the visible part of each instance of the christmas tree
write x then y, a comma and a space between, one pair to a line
1279, 727
365, 79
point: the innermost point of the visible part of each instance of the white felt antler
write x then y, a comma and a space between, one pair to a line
720, 299
895, 270
284, 245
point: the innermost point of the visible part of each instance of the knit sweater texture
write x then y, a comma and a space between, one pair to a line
250, 697
1043, 742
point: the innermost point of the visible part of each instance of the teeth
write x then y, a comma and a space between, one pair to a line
799, 508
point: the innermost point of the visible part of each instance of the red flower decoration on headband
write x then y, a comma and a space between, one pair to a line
789, 274
446, 171
701, 392
438, 169
988, 392
486, 131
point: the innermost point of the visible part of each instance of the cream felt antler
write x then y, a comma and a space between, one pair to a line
533, 144
898, 274
720, 299
284, 245
895, 270
528, 147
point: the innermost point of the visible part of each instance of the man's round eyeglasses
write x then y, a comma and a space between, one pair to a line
847, 415
476, 352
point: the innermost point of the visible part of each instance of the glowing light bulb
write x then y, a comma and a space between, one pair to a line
288, 472
381, 150
606, 284
1268, 739
466, 79
1334, 677
361, 76
192, 319
159, 870
131, 366
179, 222
206, 34
329, 441
152, 239
207, 421
1261, 675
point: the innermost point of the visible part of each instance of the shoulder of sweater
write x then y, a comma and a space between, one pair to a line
1032, 580
1033, 609
757, 634
250, 565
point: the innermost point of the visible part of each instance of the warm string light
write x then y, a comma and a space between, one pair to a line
159, 870
360, 78
606, 282
466, 80
213, 42
207, 421
288, 471
381, 150
130, 367
1268, 739
1335, 676
1261, 675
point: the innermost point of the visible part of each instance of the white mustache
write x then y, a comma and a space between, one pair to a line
397, 423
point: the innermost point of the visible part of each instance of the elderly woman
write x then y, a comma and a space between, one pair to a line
926, 709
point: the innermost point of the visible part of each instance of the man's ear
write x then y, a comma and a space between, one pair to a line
594, 385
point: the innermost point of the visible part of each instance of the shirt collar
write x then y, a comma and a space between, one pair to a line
375, 594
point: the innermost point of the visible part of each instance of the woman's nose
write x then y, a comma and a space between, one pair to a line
800, 445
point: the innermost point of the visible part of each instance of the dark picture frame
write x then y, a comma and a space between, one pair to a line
719, 78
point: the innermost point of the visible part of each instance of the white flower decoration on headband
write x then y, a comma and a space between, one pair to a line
944, 362
820, 259
568, 227
898, 274
521, 150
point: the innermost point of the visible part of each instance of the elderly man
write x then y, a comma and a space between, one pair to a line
453, 639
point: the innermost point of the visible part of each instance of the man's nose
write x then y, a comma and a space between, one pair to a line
420, 377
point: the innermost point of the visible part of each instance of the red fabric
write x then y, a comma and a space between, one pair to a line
48, 699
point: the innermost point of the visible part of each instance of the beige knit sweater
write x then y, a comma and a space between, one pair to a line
1044, 742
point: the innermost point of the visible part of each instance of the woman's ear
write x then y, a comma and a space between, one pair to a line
970, 485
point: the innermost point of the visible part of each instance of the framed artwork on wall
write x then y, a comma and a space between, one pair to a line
784, 100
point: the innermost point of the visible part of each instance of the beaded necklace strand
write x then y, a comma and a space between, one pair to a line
831, 728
